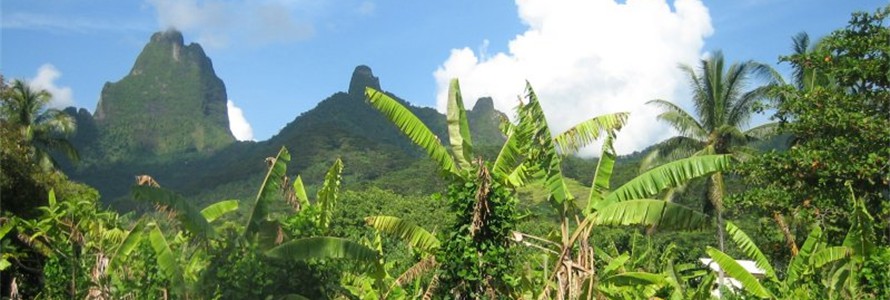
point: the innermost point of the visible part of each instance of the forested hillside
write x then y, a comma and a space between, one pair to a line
367, 196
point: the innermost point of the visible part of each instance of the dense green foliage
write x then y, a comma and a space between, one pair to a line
500, 210
840, 131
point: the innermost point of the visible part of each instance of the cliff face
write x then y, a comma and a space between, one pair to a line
171, 102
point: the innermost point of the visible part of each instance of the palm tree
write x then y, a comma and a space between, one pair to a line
723, 107
43, 129
804, 76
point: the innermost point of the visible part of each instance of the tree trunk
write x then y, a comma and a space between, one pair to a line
715, 197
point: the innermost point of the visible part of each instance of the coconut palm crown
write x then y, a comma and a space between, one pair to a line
722, 108
43, 129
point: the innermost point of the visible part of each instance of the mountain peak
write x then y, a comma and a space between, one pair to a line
171, 36
171, 100
362, 77
484, 104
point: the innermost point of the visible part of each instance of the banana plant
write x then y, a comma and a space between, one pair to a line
476, 190
415, 237
518, 162
70, 233
182, 259
814, 259
629, 204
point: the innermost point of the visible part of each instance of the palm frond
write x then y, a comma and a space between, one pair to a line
411, 126
458, 127
54, 121
588, 131
54, 143
743, 106
259, 209
666, 176
736, 271
744, 242
671, 149
680, 120
412, 234
650, 212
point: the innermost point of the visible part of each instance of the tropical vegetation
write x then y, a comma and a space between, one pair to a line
467, 218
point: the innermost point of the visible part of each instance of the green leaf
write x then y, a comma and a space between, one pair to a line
507, 166
797, 265
130, 242
861, 236
615, 264
750, 249
259, 209
412, 234
52, 198
649, 212
10, 223
411, 126
669, 175
218, 209
599, 188
187, 214
541, 150
165, 257
840, 278
588, 131
459, 127
300, 192
635, 279
324, 248
736, 271
327, 195
829, 255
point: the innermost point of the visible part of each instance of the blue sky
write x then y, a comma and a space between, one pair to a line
278, 58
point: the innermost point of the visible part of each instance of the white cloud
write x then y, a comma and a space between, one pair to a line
239, 126
218, 23
47, 74
586, 58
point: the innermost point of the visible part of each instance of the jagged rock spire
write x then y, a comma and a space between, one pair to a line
362, 77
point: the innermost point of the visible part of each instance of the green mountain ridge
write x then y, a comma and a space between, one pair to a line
170, 103
342, 125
